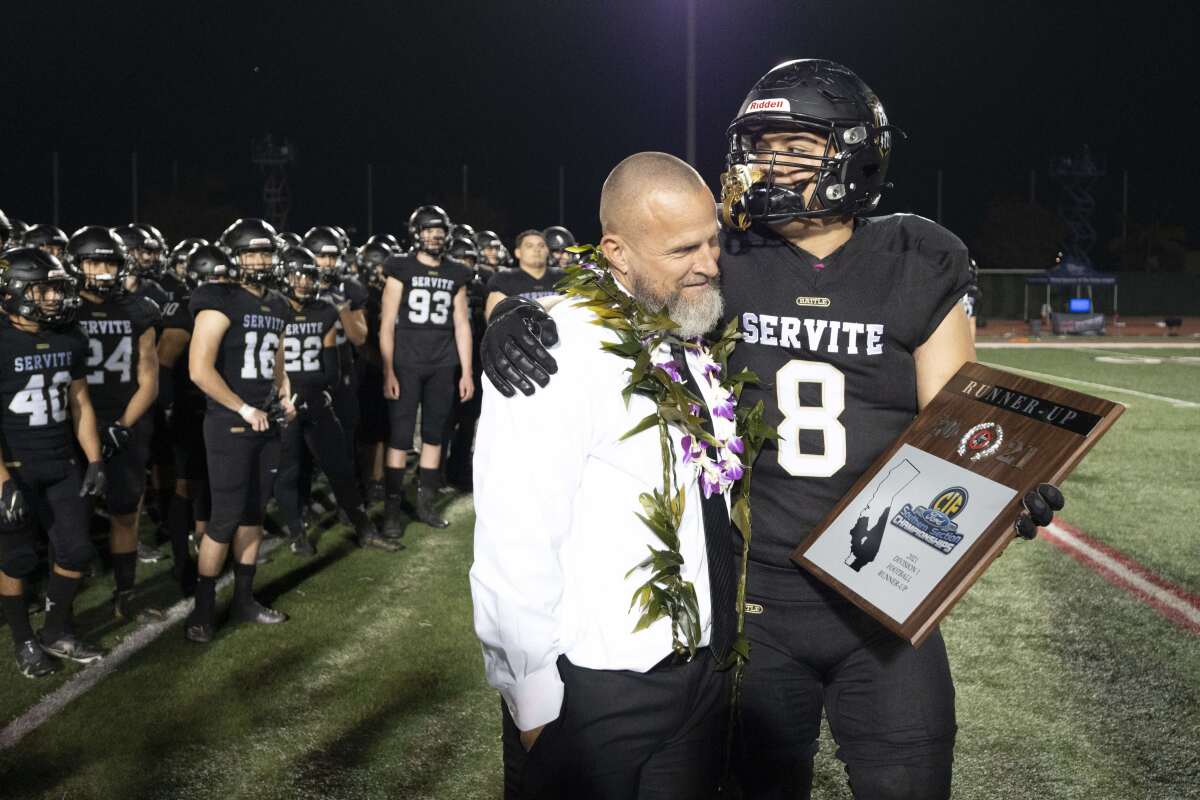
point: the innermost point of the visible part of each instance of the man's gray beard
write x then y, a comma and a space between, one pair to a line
692, 317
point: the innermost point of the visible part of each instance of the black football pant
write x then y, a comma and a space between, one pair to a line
125, 472
624, 735
890, 706
50, 484
431, 388
462, 437
241, 467
345, 406
372, 407
318, 430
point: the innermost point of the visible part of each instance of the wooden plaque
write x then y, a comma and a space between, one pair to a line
938, 506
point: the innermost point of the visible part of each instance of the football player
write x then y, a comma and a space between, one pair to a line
122, 377
6, 231
424, 336
490, 249
47, 238
236, 358
558, 239
45, 412
16, 237
460, 435
182, 404
349, 296
853, 324
372, 408
534, 279
312, 364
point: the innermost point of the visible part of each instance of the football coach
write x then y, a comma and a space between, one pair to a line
602, 704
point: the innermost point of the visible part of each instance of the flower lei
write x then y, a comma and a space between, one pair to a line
722, 459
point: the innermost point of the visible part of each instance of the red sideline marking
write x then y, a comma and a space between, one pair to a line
1173, 602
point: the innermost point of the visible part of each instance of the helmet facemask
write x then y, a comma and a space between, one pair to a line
50, 301
432, 240
100, 276
301, 282
256, 267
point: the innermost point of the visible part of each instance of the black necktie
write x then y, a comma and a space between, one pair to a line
717, 539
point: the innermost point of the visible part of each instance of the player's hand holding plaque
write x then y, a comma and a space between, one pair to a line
929, 516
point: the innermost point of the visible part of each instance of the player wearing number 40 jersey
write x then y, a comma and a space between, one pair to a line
43, 396
852, 324
122, 376
424, 337
236, 358
312, 365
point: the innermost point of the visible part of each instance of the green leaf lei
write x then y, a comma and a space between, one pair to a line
640, 334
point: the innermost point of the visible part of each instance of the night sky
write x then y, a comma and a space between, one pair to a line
986, 92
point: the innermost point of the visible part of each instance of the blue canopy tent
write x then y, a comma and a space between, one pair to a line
1070, 272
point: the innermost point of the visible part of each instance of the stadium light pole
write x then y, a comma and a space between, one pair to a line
691, 82
54, 183
370, 200
133, 184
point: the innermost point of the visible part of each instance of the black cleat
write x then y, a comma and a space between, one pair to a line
71, 648
125, 610
33, 662
299, 543
257, 613
148, 554
425, 510
395, 520
375, 492
369, 537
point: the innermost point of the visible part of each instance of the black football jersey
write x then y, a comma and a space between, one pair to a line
302, 345
246, 359
374, 310
356, 294
152, 289
519, 283
114, 328
425, 320
177, 315
832, 342
36, 372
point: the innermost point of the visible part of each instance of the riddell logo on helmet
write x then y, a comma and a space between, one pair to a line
769, 104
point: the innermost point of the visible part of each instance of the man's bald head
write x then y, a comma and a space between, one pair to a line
637, 179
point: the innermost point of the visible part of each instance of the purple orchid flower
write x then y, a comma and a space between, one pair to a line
736, 445
732, 470
671, 368
694, 409
692, 449
712, 371
724, 409
709, 485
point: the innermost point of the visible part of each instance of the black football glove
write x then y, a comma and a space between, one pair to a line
113, 440
93, 480
12, 506
1039, 510
864, 541
514, 346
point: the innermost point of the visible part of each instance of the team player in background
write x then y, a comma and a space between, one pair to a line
535, 278
424, 337
558, 239
45, 413
122, 377
47, 238
313, 368
236, 358
372, 408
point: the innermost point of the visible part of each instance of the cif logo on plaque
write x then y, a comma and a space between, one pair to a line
935, 525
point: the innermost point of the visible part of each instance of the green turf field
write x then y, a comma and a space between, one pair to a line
1067, 686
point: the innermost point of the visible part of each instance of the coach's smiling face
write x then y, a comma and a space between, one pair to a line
667, 256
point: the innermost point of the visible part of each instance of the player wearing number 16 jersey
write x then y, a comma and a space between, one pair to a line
122, 380
43, 395
424, 337
236, 358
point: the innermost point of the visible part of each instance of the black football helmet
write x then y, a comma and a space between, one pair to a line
207, 263
177, 260
326, 243
300, 277
389, 240
425, 218
47, 237
252, 235
290, 239
146, 250
489, 246
155, 234
462, 248
558, 239
6, 230
370, 258
16, 238
460, 229
819, 97
97, 243
26, 273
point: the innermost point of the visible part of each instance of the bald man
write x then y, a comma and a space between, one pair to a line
592, 707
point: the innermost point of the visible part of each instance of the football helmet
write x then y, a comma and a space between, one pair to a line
300, 277
558, 239
426, 218
50, 238
815, 96
96, 243
462, 248
250, 236
29, 277
209, 262
328, 246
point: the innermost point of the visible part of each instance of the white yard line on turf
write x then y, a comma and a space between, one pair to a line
1120, 570
1174, 401
88, 677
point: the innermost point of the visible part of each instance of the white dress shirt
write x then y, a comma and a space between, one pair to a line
556, 531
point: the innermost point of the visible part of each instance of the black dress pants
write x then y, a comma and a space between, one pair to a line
623, 735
